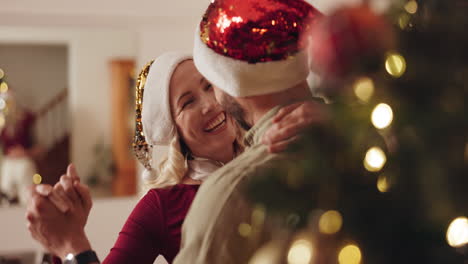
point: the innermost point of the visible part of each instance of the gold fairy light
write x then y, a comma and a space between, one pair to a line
457, 232
364, 88
245, 229
350, 254
37, 178
3, 87
395, 64
2, 74
330, 222
383, 185
382, 116
375, 159
411, 7
300, 252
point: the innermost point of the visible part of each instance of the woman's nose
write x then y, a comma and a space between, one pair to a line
209, 105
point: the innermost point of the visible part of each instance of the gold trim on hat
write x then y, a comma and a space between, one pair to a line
143, 150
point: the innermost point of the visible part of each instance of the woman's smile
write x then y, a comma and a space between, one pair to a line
216, 124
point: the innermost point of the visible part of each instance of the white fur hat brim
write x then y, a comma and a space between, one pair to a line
158, 124
241, 79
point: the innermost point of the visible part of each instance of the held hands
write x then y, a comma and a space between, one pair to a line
291, 121
57, 215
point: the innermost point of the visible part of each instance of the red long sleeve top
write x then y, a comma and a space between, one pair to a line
154, 226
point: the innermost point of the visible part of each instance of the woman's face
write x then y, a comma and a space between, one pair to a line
202, 123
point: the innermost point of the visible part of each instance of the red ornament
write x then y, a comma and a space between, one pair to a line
348, 41
256, 30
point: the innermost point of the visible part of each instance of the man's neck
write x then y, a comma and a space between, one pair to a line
258, 106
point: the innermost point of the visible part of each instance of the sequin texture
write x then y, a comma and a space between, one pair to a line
141, 148
257, 30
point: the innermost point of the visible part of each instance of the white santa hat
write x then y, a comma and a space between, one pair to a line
245, 51
154, 122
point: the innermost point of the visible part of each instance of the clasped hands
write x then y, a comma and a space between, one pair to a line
56, 215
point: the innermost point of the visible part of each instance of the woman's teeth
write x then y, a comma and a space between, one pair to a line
216, 123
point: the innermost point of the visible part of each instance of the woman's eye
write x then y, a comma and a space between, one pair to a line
187, 103
208, 87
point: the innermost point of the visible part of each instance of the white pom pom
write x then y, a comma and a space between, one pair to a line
149, 175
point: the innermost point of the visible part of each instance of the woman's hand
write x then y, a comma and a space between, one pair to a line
291, 121
57, 215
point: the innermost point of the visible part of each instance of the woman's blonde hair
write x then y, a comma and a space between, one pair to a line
171, 169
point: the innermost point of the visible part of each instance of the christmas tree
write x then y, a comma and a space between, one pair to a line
386, 180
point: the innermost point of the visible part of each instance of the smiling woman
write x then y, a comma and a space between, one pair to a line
202, 123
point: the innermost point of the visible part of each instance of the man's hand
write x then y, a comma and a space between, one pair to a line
291, 121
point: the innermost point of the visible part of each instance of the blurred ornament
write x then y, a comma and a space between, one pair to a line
375, 159
330, 222
395, 64
382, 116
350, 40
457, 232
350, 254
2, 74
235, 29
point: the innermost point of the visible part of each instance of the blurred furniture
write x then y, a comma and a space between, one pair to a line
123, 115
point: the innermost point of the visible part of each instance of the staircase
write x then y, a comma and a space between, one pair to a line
52, 132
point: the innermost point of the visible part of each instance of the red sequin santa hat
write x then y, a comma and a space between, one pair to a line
254, 47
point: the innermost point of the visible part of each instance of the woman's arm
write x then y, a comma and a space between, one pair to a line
143, 234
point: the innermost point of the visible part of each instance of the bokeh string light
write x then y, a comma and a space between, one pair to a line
382, 116
300, 252
350, 254
457, 232
375, 159
3, 87
383, 184
395, 64
330, 222
364, 88
245, 229
411, 7
37, 178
